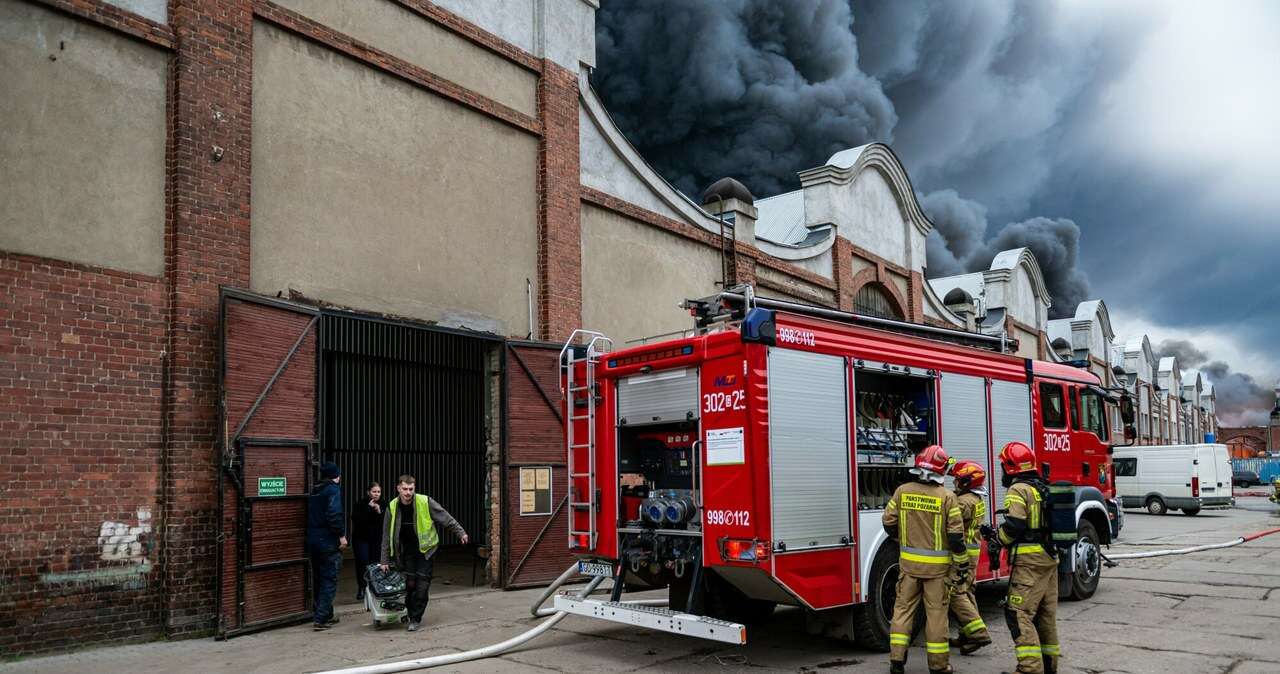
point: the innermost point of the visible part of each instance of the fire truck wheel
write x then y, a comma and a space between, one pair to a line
1084, 582
871, 619
1156, 506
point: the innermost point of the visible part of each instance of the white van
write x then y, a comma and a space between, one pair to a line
1180, 477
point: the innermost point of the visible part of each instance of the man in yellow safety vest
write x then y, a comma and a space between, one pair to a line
410, 539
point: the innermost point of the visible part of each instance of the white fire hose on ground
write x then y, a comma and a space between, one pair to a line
552, 617
1187, 551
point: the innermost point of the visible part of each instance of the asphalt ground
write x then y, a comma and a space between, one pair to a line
1213, 612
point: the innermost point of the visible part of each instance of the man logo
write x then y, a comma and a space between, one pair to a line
727, 380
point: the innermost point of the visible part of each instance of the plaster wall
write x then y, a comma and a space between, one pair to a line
82, 141
423, 209
604, 170
866, 212
634, 276
402, 33
561, 30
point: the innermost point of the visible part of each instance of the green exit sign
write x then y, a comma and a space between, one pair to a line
271, 486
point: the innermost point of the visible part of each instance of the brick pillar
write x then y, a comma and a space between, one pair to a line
744, 265
915, 297
208, 247
559, 205
842, 273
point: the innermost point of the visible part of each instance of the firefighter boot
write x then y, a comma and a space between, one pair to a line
974, 643
897, 667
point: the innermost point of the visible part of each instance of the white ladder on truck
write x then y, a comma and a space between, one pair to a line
572, 354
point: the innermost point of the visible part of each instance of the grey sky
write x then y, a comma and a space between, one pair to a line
1135, 143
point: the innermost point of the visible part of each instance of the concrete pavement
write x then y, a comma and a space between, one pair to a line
1217, 611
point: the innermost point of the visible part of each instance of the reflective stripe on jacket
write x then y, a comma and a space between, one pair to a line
923, 515
1023, 502
973, 510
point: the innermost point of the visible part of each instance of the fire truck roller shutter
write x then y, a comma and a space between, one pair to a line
1010, 421
809, 449
658, 397
964, 419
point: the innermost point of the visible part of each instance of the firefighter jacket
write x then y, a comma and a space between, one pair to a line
925, 519
973, 510
1023, 529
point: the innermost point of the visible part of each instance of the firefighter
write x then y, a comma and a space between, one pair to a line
971, 497
1275, 484
924, 518
1031, 607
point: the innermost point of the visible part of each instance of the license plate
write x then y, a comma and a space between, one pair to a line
595, 569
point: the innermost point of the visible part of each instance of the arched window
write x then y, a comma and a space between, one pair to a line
873, 300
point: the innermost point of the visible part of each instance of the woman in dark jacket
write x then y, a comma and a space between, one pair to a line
366, 532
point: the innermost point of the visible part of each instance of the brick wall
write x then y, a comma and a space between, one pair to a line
559, 225
80, 438
209, 246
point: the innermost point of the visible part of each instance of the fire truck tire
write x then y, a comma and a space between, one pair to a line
1191, 511
1084, 581
871, 619
1156, 506
726, 602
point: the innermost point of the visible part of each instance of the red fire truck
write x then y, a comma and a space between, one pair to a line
748, 465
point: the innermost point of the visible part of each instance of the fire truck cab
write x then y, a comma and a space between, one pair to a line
748, 465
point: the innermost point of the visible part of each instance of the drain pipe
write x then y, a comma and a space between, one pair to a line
1187, 551
553, 616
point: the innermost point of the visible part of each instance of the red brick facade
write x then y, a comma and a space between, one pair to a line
80, 443
559, 210
1247, 442
110, 379
208, 247
115, 375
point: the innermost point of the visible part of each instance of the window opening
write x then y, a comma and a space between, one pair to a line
872, 300
1051, 406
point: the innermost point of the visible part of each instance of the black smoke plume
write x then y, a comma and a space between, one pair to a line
1242, 401
761, 89
756, 89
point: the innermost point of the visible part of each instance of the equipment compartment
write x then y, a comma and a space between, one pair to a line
896, 417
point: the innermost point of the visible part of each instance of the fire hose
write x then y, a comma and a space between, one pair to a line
552, 617
1186, 551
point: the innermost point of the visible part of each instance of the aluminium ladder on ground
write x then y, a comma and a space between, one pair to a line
589, 356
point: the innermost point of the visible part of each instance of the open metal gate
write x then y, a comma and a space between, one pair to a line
536, 516
268, 441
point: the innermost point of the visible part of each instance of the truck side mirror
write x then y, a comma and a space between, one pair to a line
1126, 409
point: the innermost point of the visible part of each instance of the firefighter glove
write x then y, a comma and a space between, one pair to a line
987, 532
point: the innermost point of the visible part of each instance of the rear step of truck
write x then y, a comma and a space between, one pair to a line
655, 618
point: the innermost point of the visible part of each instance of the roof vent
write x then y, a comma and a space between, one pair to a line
957, 296
726, 189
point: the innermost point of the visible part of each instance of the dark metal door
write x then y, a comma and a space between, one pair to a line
268, 402
537, 549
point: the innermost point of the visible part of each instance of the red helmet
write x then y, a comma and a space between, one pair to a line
934, 459
1017, 458
969, 475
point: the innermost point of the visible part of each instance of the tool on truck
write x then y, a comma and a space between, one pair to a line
748, 465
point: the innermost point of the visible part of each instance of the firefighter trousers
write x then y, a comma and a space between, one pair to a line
1031, 610
911, 590
964, 605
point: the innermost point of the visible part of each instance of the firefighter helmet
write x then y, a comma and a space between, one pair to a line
933, 463
969, 475
1017, 458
